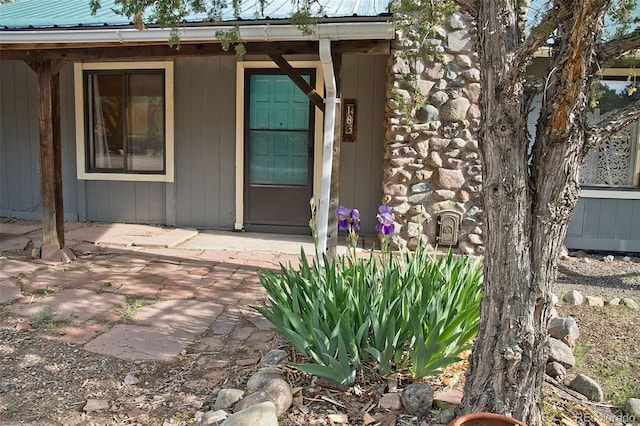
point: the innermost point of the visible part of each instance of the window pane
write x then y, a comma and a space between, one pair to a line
105, 104
145, 122
615, 162
278, 157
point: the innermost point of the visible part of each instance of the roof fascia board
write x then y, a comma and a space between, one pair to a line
331, 31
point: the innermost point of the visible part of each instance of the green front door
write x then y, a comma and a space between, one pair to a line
278, 151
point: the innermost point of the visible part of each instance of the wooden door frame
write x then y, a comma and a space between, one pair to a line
240, 128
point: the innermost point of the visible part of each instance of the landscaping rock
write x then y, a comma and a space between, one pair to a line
213, 417
273, 357
339, 418
130, 379
262, 378
390, 401
573, 297
446, 416
632, 408
95, 405
263, 414
562, 327
277, 392
227, 397
556, 370
560, 352
630, 303
417, 399
594, 301
588, 387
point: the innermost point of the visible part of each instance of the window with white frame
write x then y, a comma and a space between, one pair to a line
616, 161
124, 120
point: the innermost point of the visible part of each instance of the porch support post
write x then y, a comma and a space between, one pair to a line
331, 102
47, 73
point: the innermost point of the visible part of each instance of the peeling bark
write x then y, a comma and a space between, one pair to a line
528, 201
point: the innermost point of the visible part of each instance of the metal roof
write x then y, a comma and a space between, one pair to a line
47, 14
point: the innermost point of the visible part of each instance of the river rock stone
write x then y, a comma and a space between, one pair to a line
417, 399
130, 379
449, 178
560, 352
277, 392
588, 387
213, 417
263, 414
455, 109
556, 370
594, 301
630, 303
573, 297
632, 408
561, 327
614, 301
227, 397
273, 357
95, 405
262, 378
390, 401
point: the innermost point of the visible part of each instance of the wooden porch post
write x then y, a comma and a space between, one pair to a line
47, 73
334, 198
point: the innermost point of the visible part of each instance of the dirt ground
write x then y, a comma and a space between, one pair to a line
46, 382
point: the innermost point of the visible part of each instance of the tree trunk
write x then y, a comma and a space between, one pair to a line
528, 202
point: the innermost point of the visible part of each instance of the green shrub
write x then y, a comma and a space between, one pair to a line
414, 310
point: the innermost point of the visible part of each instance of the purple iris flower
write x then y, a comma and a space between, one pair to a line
348, 218
385, 220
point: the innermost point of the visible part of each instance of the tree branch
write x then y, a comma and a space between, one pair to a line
469, 6
618, 46
611, 122
538, 36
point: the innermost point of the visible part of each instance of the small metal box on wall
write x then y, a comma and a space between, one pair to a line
349, 120
448, 228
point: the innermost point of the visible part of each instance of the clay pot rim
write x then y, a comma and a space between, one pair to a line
487, 416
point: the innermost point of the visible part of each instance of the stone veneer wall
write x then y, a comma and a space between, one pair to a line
432, 161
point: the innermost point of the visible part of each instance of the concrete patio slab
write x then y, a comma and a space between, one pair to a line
116, 235
168, 239
137, 343
190, 316
9, 292
73, 304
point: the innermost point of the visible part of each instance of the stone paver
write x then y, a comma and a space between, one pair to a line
13, 243
9, 291
195, 291
132, 342
190, 316
72, 304
10, 268
18, 228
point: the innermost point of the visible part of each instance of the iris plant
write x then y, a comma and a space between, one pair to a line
385, 226
349, 221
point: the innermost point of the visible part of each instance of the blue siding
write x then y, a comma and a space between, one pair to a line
605, 224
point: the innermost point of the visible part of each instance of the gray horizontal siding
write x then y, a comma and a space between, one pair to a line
605, 224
